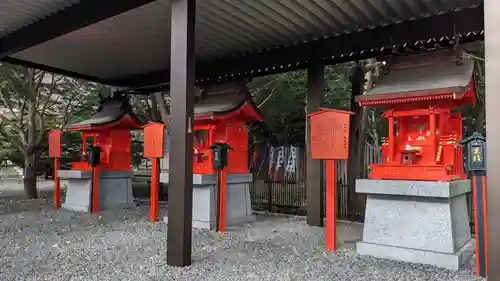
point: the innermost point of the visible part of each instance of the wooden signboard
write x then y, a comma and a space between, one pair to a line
329, 141
329, 134
55, 143
154, 140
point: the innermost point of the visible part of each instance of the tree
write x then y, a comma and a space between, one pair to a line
282, 100
475, 115
32, 101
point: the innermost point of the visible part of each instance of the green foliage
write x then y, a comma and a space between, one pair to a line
474, 115
33, 102
281, 99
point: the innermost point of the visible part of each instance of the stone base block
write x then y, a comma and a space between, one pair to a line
115, 190
416, 221
449, 261
239, 207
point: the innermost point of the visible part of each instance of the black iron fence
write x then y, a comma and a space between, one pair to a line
279, 183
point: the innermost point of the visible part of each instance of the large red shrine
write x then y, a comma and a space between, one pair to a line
421, 95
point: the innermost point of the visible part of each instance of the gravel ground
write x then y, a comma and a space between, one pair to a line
40, 244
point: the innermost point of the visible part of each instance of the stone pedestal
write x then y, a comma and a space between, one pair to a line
417, 221
115, 189
239, 208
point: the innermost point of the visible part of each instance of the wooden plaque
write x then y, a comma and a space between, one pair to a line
154, 142
329, 135
55, 143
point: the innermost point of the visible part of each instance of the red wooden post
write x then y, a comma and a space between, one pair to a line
433, 137
485, 207
391, 139
153, 204
95, 190
57, 184
476, 220
331, 206
222, 201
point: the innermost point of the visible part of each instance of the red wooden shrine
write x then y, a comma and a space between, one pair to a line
109, 128
421, 95
223, 117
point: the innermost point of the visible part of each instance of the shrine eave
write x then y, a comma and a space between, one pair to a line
112, 114
125, 43
408, 97
227, 105
124, 123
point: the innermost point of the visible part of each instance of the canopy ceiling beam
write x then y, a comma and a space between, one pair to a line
77, 16
56, 70
365, 44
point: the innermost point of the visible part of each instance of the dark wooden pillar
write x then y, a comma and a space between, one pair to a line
315, 96
180, 191
492, 60
356, 151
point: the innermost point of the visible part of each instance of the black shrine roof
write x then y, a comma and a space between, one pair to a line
220, 103
423, 75
109, 114
223, 99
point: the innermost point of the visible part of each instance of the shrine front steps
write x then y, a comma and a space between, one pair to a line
417, 221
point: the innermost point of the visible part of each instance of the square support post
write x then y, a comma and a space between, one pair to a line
315, 96
492, 60
180, 190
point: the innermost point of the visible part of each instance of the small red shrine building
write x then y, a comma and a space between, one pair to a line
109, 183
109, 128
223, 117
421, 96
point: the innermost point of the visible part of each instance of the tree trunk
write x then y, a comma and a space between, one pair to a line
164, 110
29, 179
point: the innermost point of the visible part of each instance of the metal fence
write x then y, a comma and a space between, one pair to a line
279, 183
279, 175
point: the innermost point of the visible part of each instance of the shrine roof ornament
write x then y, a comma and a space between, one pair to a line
424, 77
112, 114
474, 137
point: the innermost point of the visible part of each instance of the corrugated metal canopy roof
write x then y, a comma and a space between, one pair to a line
137, 42
15, 14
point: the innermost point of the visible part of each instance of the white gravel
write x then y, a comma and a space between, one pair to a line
40, 244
